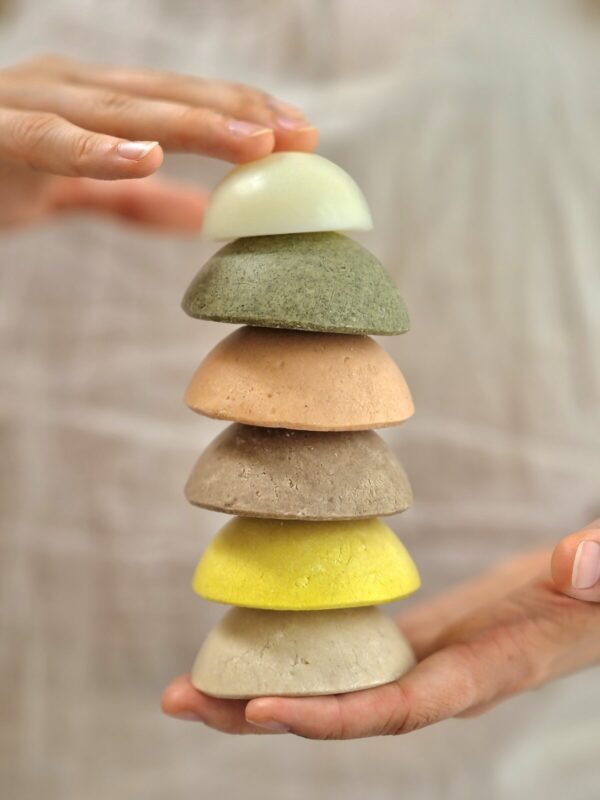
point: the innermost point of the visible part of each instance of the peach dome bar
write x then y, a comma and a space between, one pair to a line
304, 381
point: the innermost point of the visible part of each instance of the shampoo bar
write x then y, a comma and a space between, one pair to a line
312, 281
299, 380
285, 474
285, 193
305, 566
254, 653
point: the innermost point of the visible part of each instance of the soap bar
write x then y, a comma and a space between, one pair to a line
312, 281
285, 474
254, 653
285, 193
305, 566
306, 381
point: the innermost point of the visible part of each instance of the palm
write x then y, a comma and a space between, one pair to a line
511, 639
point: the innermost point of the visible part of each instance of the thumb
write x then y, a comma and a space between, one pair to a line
576, 564
147, 201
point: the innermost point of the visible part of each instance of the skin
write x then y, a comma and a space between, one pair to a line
63, 125
508, 631
67, 143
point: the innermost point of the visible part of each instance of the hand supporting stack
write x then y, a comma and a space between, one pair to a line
305, 561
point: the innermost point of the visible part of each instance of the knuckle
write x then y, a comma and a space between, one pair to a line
113, 102
239, 100
390, 725
255, 112
251, 104
83, 147
188, 116
390, 711
189, 121
411, 719
31, 129
337, 728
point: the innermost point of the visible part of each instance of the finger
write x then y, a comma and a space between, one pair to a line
226, 96
295, 135
292, 131
158, 204
178, 127
48, 143
576, 564
182, 701
442, 686
425, 622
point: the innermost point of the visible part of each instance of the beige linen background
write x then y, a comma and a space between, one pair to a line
473, 128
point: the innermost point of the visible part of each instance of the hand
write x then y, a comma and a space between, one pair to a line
64, 125
514, 629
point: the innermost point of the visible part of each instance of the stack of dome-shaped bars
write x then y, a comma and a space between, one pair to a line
305, 560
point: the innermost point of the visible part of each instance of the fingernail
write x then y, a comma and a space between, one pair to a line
188, 716
135, 151
586, 567
271, 725
287, 109
297, 125
242, 128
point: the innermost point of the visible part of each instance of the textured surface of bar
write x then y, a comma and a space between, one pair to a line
305, 566
299, 380
314, 281
285, 474
253, 653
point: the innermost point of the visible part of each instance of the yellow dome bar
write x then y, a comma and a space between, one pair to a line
305, 566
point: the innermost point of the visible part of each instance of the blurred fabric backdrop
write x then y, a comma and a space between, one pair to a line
473, 128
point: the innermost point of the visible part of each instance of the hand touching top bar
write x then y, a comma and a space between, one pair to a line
63, 124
